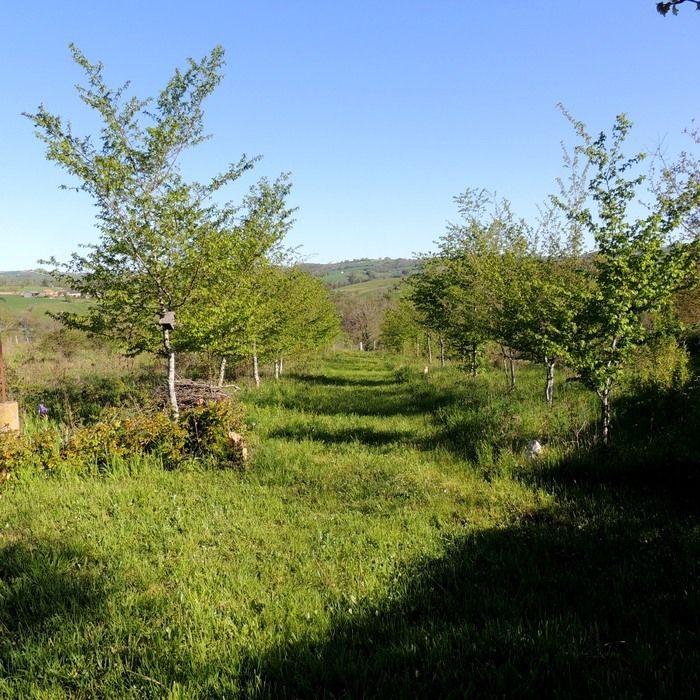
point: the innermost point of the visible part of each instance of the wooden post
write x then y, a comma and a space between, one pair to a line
9, 410
3, 379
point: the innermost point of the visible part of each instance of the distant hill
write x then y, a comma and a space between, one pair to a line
352, 272
25, 280
366, 277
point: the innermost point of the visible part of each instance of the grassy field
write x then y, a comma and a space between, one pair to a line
15, 305
390, 539
371, 289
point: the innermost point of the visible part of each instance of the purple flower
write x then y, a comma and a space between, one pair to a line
43, 411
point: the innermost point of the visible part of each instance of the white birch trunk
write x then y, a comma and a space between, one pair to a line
170, 354
549, 386
256, 370
222, 372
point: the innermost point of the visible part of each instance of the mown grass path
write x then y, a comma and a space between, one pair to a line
361, 556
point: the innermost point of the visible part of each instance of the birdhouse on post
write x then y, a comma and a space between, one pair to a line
167, 321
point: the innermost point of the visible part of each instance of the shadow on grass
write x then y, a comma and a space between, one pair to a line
318, 379
45, 583
654, 454
50, 592
60, 635
366, 436
376, 401
620, 473
544, 607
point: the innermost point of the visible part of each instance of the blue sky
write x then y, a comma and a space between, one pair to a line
381, 111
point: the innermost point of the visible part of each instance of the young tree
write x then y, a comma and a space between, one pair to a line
400, 326
302, 316
544, 323
431, 294
477, 254
224, 313
636, 265
156, 228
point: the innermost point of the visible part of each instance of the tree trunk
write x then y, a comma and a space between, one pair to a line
281, 366
509, 366
277, 369
417, 347
256, 371
430, 350
472, 360
442, 351
170, 354
549, 386
222, 372
605, 411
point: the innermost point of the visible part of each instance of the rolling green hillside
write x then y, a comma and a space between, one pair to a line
363, 278
353, 272
372, 288
19, 281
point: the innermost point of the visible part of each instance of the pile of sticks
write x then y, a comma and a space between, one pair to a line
190, 393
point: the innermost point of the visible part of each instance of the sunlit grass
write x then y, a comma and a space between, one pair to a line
375, 547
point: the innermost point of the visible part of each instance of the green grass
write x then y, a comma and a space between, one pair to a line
375, 548
371, 289
15, 305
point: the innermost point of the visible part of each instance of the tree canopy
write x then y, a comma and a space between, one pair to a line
161, 236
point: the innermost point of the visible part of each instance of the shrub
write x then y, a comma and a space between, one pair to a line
210, 433
209, 430
13, 450
43, 446
120, 434
660, 366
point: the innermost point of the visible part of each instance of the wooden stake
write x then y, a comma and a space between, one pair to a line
3, 380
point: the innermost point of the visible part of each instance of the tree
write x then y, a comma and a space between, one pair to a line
476, 256
156, 229
663, 8
399, 326
225, 315
361, 318
301, 316
544, 321
430, 294
543, 324
636, 265
676, 177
